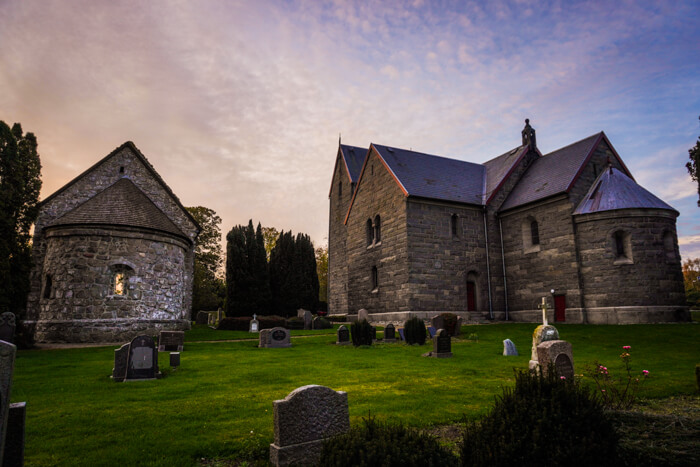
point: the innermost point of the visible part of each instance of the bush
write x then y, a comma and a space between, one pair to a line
379, 444
295, 323
414, 330
361, 332
322, 323
337, 318
618, 393
272, 321
239, 323
545, 420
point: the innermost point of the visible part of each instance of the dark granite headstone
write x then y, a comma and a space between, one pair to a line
279, 337
343, 336
442, 344
202, 317
14, 439
121, 362
174, 359
264, 338
7, 327
143, 359
374, 333
171, 341
7, 366
389, 333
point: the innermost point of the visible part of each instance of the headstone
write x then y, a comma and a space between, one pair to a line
458, 326
303, 419
374, 333
437, 322
362, 314
557, 354
389, 333
543, 333
264, 338
509, 348
432, 330
442, 344
401, 334
171, 341
14, 439
343, 336
279, 337
202, 317
143, 359
254, 324
211, 319
174, 359
308, 317
121, 362
7, 327
7, 366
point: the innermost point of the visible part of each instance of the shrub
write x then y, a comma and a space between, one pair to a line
337, 318
450, 320
322, 323
544, 420
618, 393
414, 330
295, 323
272, 321
383, 444
238, 323
361, 332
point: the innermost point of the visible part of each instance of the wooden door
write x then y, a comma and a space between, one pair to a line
560, 308
471, 296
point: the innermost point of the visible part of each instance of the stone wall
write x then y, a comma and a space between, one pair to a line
378, 194
337, 238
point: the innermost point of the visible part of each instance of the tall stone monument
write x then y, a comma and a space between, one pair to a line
543, 333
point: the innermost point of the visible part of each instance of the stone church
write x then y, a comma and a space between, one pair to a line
413, 234
113, 254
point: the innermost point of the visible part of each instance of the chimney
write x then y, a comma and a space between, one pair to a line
528, 134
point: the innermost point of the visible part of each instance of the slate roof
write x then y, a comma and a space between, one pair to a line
552, 174
434, 177
354, 157
498, 169
121, 204
615, 190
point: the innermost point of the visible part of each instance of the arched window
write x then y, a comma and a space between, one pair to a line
454, 221
120, 280
370, 232
534, 232
377, 229
47, 286
622, 247
531, 235
375, 278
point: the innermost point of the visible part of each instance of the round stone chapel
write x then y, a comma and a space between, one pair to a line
113, 256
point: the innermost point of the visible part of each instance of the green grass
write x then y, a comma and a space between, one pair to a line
218, 404
202, 332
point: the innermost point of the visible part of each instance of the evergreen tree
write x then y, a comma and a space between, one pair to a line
247, 279
293, 278
236, 267
20, 183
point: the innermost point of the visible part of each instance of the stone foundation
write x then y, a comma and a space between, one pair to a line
101, 330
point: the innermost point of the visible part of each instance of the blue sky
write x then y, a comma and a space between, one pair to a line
239, 104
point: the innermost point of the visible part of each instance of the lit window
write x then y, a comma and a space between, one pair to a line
120, 283
120, 280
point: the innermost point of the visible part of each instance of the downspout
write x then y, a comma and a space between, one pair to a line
488, 265
503, 259
584, 312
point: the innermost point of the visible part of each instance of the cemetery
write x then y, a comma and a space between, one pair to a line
222, 399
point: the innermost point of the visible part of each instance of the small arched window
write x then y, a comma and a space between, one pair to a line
120, 280
454, 222
377, 229
622, 247
531, 235
375, 278
370, 232
47, 286
534, 232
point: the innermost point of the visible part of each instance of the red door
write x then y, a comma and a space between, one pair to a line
560, 307
471, 296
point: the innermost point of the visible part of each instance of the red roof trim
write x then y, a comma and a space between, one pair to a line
510, 172
594, 146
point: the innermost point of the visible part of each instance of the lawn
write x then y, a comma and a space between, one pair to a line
218, 404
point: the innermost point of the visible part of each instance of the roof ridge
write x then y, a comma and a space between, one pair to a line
596, 135
426, 154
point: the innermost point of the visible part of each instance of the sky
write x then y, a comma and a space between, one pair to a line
239, 105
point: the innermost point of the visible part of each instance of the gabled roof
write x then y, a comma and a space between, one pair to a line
499, 169
556, 172
614, 190
131, 146
121, 204
353, 157
434, 177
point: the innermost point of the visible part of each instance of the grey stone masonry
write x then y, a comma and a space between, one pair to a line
337, 244
303, 419
7, 366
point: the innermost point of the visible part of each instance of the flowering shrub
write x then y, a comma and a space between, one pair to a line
618, 392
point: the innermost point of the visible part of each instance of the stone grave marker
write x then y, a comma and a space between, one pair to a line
211, 319
374, 333
362, 314
442, 344
7, 327
279, 337
343, 336
264, 338
543, 333
121, 362
254, 324
308, 317
202, 317
7, 366
458, 326
437, 322
432, 330
401, 334
143, 359
15, 438
174, 359
171, 341
509, 348
559, 354
303, 419
390, 333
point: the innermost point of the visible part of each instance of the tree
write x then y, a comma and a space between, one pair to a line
694, 165
20, 184
322, 270
270, 235
293, 277
691, 277
247, 280
208, 289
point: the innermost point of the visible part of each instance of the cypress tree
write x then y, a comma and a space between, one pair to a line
236, 266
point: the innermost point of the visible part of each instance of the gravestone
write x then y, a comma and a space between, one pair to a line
202, 317
458, 326
543, 333
432, 330
15, 438
401, 334
264, 338
254, 324
174, 359
308, 317
303, 419
438, 322
7, 366
343, 336
509, 348
171, 341
389, 333
279, 337
7, 327
374, 333
143, 359
121, 362
442, 344
211, 319
557, 354
362, 315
